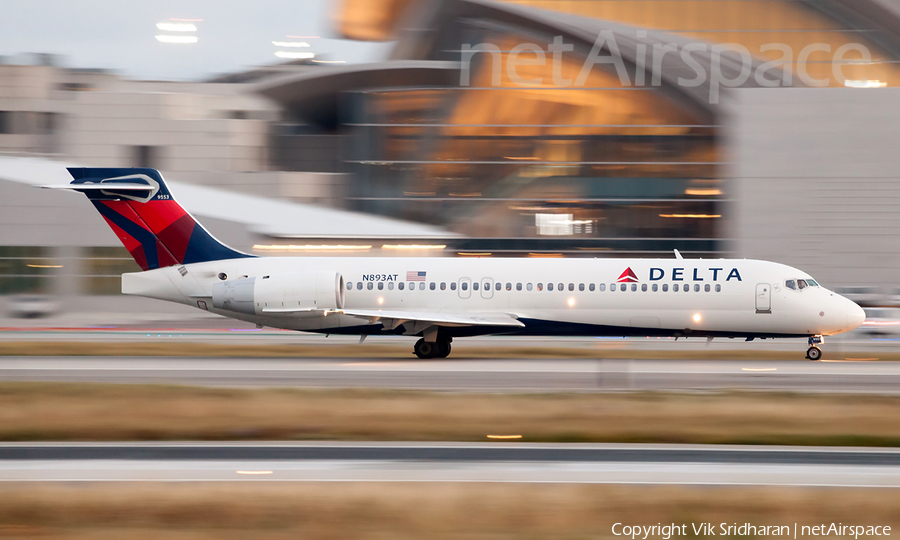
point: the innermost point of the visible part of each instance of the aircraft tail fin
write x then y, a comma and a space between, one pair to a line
137, 205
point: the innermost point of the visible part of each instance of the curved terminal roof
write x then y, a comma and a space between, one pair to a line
313, 95
582, 32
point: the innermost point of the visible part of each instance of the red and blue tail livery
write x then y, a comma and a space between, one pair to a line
139, 208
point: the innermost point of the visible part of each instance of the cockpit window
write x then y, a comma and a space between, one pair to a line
812, 283
791, 284
801, 283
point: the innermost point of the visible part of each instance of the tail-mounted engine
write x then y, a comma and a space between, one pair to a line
283, 294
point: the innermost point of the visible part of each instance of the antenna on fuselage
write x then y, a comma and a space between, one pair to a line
678, 255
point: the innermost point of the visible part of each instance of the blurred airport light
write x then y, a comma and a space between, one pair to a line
290, 44
864, 84
413, 246
295, 55
177, 39
176, 27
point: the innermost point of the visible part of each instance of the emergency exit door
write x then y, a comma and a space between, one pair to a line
487, 288
764, 298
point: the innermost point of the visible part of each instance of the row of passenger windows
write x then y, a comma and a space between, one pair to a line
676, 287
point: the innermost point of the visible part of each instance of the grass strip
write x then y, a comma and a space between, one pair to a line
460, 351
122, 412
399, 511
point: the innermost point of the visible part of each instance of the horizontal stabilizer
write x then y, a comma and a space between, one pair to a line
102, 187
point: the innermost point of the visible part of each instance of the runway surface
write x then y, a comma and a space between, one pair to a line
442, 462
506, 375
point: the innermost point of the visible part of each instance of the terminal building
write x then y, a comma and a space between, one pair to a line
484, 134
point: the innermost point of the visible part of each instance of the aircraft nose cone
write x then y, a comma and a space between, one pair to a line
855, 315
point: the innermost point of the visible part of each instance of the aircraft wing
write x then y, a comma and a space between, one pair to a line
394, 318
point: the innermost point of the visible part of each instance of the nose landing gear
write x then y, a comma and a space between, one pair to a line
814, 352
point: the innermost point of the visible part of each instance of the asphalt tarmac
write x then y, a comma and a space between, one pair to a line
495, 375
447, 462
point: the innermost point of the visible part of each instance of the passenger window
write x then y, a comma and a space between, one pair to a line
581, 286
643, 287
591, 287
686, 288
549, 286
475, 286
655, 287
509, 286
390, 285
801, 283
422, 286
633, 287
571, 286
623, 287
401, 285
674, 287
518, 286
528, 286
452, 285
665, 287
370, 285
540, 286
349, 285
432, 285
380, 285
560, 287
359, 285
443, 285
718, 288
498, 286
696, 287
464, 285
791, 284
602, 287
706, 287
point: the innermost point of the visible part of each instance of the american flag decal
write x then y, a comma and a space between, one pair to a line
415, 276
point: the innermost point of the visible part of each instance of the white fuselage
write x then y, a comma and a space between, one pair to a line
723, 297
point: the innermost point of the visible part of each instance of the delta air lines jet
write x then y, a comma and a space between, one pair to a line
439, 299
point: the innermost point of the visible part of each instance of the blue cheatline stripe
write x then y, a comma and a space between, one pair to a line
142, 235
540, 327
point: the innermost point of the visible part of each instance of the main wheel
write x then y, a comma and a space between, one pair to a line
814, 353
443, 349
424, 349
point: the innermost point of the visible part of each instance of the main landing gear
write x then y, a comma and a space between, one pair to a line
814, 352
437, 349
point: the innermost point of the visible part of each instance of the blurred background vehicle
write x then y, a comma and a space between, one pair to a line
881, 322
866, 296
32, 306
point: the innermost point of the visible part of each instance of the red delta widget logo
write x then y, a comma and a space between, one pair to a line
677, 274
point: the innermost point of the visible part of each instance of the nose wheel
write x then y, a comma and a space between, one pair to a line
814, 352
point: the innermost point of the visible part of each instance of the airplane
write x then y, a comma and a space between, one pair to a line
440, 299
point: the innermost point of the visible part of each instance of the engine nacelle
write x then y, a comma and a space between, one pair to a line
281, 293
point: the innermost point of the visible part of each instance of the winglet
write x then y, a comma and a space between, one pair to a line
678, 255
